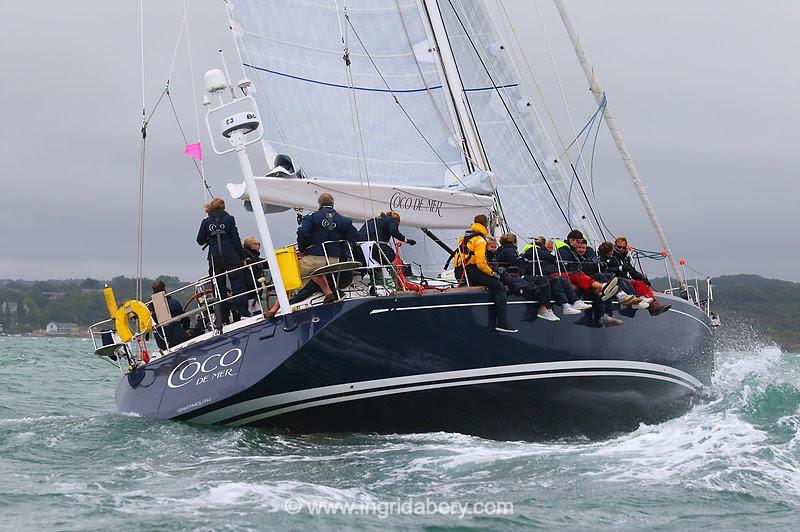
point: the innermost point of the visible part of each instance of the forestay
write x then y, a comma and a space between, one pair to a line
417, 206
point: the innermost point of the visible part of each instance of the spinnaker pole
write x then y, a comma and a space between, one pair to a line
616, 133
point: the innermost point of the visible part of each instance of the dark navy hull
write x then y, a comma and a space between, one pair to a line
433, 363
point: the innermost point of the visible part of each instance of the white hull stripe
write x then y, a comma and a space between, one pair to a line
693, 317
269, 401
480, 304
451, 384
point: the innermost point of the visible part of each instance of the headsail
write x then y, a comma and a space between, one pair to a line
529, 183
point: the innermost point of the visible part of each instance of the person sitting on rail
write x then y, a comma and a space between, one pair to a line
639, 281
176, 332
573, 255
218, 232
574, 271
470, 262
538, 258
627, 294
319, 236
513, 275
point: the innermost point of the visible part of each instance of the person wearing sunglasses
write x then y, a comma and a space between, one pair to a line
623, 267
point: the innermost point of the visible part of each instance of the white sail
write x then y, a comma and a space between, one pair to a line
386, 119
530, 186
417, 206
349, 128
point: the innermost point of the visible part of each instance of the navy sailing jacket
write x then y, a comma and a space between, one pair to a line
547, 261
620, 265
218, 231
325, 225
508, 258
381, 229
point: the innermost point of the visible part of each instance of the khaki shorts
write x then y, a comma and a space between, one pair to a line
309, 263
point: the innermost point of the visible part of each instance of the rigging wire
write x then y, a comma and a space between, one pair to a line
206, 188
358, 135
516, 126
542, 98
558, 76
591, 178
590, 125
186, 140
403, 109
140, 212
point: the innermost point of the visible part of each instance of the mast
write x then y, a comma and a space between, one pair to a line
452, 80
597, 91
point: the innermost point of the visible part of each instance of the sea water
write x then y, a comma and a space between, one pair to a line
68, 460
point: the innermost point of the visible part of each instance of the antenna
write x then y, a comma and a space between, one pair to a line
242, 129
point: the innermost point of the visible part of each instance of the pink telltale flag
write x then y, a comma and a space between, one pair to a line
193, 151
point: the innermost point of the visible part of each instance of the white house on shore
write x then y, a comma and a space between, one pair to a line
60, 329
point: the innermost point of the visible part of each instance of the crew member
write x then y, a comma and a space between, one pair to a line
512, 268
252, 251
175, 332
225, 253
539, 259
639, 281
319, 239
381, 229
470, 262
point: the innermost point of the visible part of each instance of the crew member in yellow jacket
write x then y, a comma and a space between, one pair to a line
470, 262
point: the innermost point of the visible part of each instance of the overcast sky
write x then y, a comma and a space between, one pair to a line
704, 91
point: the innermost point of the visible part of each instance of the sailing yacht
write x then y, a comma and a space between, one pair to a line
415, 106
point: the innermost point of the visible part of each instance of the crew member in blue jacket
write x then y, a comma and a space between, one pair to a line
381, 229
225, 253
538, 259
512, 268
319, 239
175, 332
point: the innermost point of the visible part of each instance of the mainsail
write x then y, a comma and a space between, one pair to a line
343, 123
355, 91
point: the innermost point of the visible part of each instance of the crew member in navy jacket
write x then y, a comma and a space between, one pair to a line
381, 229
218, 231
318, 240
175, 332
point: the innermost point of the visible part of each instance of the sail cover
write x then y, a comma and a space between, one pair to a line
340, 127
417, 206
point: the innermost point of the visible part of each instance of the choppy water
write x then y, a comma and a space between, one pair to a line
68, 460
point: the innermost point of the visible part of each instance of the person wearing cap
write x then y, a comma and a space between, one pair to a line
470, 263
574, 270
